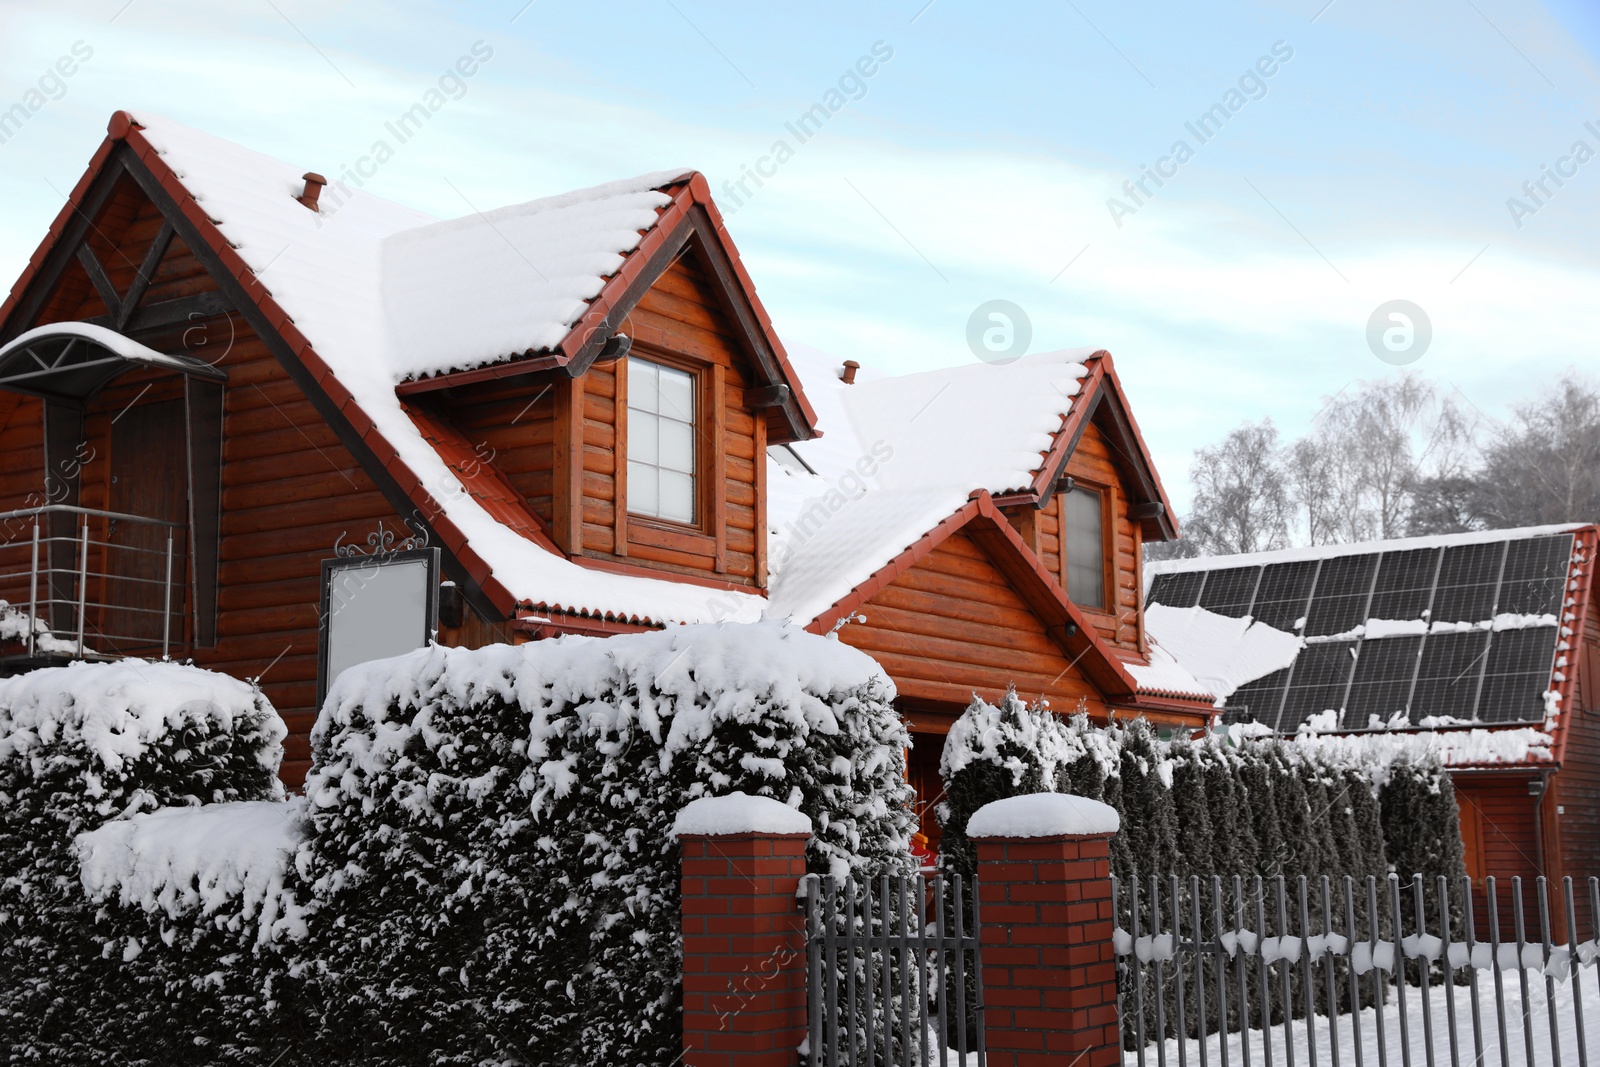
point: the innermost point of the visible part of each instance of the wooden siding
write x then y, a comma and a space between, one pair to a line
1094, 465
952, 625
22, 485
290, 489
1501, 839
573, 474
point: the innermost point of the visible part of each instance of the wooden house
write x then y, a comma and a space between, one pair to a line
231, 393
1483, 648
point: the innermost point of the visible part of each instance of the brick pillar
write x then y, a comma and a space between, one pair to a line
1049, 970
744, 950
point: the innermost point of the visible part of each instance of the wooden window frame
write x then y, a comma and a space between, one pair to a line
1108, 542
708, 535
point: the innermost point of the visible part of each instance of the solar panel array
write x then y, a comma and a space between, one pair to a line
1467, 672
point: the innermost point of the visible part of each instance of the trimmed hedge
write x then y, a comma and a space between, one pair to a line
80, 746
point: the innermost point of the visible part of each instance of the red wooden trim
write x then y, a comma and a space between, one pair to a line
619, 505
567, 475
1073, 423
513, 369
718, 466
1586, 541
1012, 557
634, 570
557, 623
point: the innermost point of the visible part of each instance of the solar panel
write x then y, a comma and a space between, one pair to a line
1229, 592
1382, 681
1177, 590
1517, 674
1317, 683
1281, 597
1257, 701
1470, 675
1535, 575
1340, 601
1447, 676
1468, 576
1405, 584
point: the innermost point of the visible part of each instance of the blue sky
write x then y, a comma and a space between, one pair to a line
1374, 163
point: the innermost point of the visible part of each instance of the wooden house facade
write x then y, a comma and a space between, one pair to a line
218, 373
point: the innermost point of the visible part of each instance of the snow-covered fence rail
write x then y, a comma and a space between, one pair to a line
893, 969
1237, 971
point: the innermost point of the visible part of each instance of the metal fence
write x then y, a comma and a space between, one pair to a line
1233, 971
94, 583
893, 972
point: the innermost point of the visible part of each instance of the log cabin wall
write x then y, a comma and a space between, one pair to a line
562, 442
952, 624
1573, 807
1092, 464
1501, 839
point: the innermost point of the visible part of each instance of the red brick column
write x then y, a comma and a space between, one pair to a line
744, 950
1049, 970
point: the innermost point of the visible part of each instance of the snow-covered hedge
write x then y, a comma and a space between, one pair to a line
81, 746
1241, 804
489, 850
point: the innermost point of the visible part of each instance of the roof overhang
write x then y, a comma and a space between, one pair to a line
691, 220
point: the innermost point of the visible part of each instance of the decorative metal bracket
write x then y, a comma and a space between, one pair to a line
381, 543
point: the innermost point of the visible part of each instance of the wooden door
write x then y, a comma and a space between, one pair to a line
149, 478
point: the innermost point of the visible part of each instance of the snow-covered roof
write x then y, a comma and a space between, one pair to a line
1353, 548
355, 277
897, 456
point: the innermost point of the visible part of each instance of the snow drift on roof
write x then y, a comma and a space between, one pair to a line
1222, 652
327, 270
1358, 548
899, 455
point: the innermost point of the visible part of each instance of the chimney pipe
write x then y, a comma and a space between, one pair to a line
849, 375
313, 189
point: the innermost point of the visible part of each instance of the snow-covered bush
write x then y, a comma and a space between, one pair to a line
79, 746
488, 851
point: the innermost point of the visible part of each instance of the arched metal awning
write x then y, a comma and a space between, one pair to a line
66, 364
70, 362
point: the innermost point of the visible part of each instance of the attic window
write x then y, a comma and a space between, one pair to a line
1084, 522
661, 436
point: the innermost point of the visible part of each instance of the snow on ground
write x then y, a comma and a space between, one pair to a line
1527, 1024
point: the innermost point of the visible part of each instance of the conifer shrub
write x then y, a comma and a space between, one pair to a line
81, 746
489, 862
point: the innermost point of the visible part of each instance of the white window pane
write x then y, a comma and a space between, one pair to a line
677, 496
643, 437
677, 394
642, 386
677, 446
642, 493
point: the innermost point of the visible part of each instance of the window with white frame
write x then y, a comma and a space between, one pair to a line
661, 441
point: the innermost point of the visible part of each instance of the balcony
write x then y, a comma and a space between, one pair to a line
93, 585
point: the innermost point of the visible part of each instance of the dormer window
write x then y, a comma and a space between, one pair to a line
1084, 520
661, 441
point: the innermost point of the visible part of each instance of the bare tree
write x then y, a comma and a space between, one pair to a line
1241, 499
1355, 477
1544, 465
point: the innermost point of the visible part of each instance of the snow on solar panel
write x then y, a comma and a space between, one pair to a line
1452, 671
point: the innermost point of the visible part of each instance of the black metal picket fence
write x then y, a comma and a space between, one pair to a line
1334, 971
893, 972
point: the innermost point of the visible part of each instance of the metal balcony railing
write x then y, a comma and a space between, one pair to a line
95, 584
